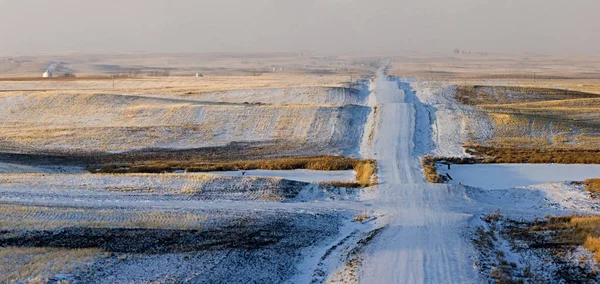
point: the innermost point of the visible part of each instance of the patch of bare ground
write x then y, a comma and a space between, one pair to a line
513, 251
267, 241
346, 184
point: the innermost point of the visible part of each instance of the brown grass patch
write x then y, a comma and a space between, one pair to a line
37, 265
554, 238
479, 95
583, 231
593, 245
564, 231
592, 185
321, 163
486, 154
431, 174
365, 173
366, 170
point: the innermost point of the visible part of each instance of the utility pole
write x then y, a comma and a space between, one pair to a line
113, 80
533, 76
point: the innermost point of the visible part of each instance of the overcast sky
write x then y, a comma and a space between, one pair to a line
325, 26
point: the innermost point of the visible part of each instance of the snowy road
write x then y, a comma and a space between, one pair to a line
422, 243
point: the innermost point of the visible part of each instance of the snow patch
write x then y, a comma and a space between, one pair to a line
516, 175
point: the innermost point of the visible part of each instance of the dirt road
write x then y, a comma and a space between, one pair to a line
422, 244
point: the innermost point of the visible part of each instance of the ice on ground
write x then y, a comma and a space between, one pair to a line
516, 175
297, 175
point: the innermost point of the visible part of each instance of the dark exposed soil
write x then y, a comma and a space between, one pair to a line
144, 240
282, 231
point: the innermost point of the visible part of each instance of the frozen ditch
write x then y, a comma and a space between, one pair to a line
296, 175
496, 176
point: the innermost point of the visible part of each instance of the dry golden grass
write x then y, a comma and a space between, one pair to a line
366, 172
558, 233
429, 166
573, 230
537, 117
502, 95
592, 185
487, 154
38, 264
37, 217
321, 163
586, 226
593, 245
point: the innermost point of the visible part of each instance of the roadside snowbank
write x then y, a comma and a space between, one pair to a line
453, 124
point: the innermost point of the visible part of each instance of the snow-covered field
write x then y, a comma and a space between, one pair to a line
312, 96
262, 226
60, 187
268, 226
109, 123
517, 175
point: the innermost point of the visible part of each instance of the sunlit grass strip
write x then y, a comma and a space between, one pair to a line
486, 154
366, 170
592, 185
36, 265
429, 166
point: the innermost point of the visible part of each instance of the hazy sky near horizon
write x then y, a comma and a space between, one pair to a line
326, 26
